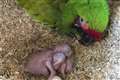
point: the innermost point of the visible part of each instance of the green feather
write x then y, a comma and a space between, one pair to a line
41, 10
95, 12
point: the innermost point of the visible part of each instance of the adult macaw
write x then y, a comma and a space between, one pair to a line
87, 18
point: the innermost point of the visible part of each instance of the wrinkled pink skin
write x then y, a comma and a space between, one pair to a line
50, 61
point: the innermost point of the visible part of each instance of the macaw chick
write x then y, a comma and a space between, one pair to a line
48, 62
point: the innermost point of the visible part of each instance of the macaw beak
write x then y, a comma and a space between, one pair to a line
85, 26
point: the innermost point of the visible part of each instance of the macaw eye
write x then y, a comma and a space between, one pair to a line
81, 20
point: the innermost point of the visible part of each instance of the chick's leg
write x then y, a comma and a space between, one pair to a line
69, 66
62, 68
51, 69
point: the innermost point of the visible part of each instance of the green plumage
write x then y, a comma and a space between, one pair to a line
95, 12
61, 13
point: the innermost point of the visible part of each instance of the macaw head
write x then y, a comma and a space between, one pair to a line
81, 23
87, 34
